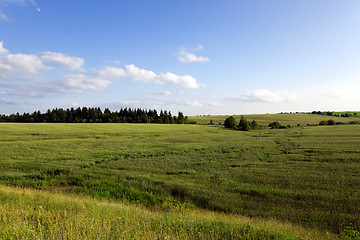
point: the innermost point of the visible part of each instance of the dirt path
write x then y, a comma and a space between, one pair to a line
60, 187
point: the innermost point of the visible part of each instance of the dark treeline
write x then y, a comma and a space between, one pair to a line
334, 114
96, 115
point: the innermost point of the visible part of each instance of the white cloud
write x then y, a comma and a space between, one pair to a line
185, 81
67, 62
182, 102
186, 56
333, 93
20, 64
266, 96
163, 93
101, 79
2, 49
143, 75
194, 103
160, 103
80, 83
112, 72
53, 73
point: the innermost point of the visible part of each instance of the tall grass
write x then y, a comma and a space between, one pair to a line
30, 214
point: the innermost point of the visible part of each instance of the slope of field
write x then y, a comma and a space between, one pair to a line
292, 119
305, 175
30, 214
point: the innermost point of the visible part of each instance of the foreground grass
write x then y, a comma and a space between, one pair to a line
305, 175
30, 214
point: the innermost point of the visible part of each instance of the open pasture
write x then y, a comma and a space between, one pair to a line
292, 119
304, 175
34, 214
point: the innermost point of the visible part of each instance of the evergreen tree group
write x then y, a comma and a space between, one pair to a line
96, 115
244, 125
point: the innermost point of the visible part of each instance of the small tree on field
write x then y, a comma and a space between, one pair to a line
244, 125
323, 122
331, 122
230, 122
254, 125
275, 125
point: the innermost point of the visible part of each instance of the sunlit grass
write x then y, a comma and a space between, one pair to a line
30, 214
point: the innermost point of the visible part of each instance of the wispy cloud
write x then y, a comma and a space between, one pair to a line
80, 83
3, 102
157, 103
266, 96
3, 17
187, 56
5, 3
332, 93
67, 62
53, 73
18, 2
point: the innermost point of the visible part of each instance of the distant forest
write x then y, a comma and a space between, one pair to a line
96, 115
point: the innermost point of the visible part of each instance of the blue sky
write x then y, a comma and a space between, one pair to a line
198, 57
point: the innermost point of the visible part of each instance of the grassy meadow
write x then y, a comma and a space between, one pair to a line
33, 214
306, 175
292, 119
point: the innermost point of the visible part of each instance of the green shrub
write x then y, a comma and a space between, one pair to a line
275, 125
323, 122
244, 125
350, 233
230, 122
331, 122
254, 125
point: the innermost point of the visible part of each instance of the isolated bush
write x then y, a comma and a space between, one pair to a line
331, 122
323, 122
275, 125
244, 125
230, 122
254, 125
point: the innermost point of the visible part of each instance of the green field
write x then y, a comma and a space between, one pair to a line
28, 214
304, 175
285, 119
